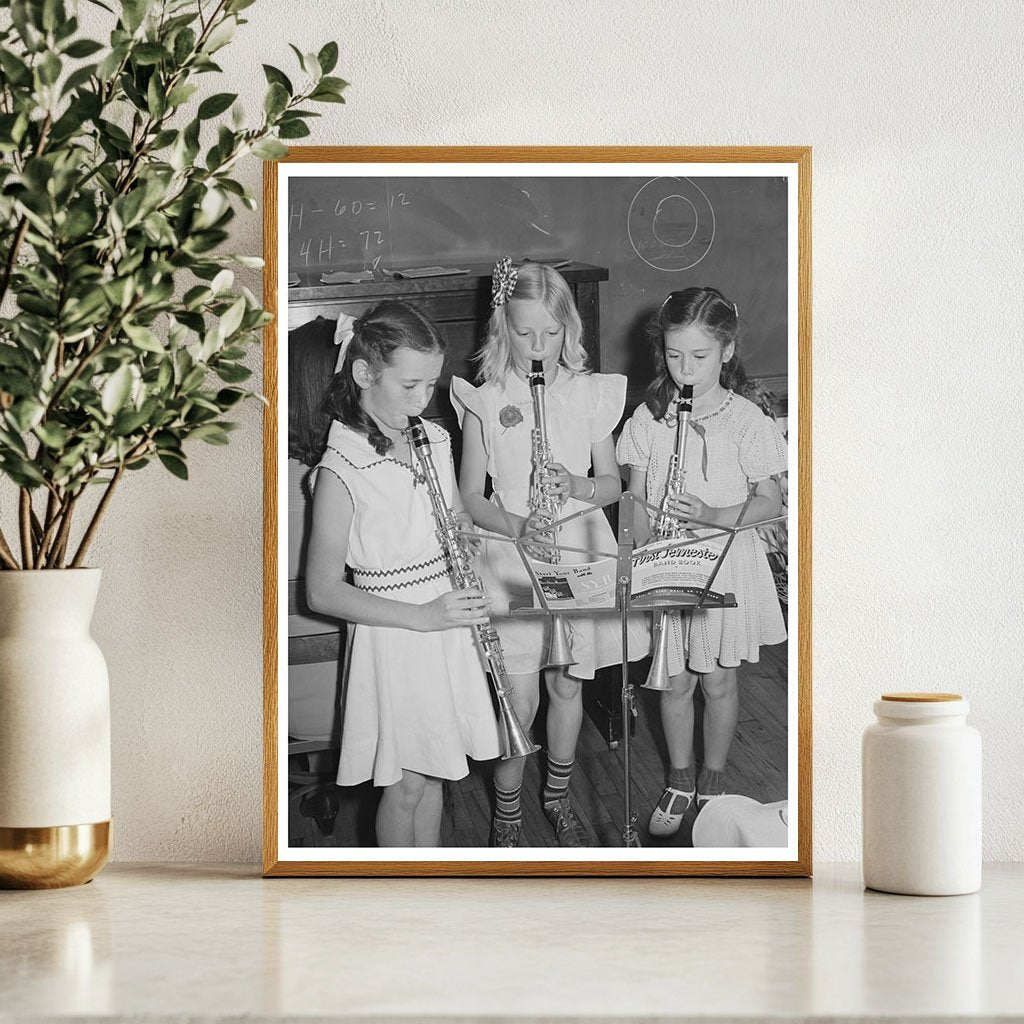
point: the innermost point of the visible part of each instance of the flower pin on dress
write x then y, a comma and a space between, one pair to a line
510, 416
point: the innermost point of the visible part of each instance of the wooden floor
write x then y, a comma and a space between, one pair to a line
757, 768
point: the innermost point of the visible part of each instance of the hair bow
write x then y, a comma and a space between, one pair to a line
342, 338
503, 281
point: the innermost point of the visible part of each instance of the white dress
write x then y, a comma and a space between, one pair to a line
728, 450
418, 701
581, 409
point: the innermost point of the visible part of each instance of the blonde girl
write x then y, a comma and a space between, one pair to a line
534, 318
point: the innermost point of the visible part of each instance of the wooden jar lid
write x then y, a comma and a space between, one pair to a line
921, 698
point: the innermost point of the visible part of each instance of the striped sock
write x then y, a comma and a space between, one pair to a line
683, 779
506, 804
711, 782
557, 785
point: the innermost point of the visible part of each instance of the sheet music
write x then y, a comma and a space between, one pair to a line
657, 567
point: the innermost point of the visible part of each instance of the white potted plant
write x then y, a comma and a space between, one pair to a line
122, 338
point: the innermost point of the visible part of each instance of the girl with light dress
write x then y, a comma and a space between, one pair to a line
415, 699
734, 448
534, 317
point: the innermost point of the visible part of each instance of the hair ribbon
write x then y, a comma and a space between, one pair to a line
343, 333
503, 281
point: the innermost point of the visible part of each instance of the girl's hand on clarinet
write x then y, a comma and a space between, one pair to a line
557, 482
450, 611
690, 508
535, 521
469, 534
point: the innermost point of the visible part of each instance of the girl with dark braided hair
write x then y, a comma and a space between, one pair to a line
415, 700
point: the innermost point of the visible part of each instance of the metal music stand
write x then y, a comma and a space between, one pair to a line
658, 600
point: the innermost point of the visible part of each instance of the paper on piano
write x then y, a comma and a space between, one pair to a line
346, 276
414, 272
556, 263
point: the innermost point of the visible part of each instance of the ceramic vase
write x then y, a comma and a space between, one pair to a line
54, 731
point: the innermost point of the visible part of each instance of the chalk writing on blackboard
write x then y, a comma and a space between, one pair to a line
671, 224
356, 228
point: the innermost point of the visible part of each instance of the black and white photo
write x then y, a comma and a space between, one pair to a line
536, 513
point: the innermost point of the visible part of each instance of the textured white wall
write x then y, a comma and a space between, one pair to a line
914, 113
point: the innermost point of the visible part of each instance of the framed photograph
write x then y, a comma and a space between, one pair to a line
537, 535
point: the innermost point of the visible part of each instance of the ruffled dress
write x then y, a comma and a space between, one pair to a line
729, 449
410, 700
581, 409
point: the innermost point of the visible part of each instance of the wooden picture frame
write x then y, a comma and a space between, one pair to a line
731, 180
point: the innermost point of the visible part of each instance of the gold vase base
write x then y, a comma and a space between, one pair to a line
53, 857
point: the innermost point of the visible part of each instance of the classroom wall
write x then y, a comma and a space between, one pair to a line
913, 111
652, 235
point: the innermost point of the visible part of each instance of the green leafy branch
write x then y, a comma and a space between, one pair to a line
116, 193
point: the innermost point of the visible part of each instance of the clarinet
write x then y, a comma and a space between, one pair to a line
668, 527
515, 741
560, 646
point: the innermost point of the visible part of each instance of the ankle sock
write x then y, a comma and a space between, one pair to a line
684, 779
557, 784
506, 804
711, 782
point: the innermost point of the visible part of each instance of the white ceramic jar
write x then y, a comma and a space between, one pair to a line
921, 778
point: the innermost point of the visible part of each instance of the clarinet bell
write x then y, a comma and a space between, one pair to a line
560, 647
515, 742
658, 677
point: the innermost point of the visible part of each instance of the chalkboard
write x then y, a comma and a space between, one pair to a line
654, 236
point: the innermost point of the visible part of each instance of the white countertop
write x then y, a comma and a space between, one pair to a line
174, 942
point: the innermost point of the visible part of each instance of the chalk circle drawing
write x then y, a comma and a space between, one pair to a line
671, 224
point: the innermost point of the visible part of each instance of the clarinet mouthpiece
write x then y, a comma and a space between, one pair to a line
417, 432
536, 373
